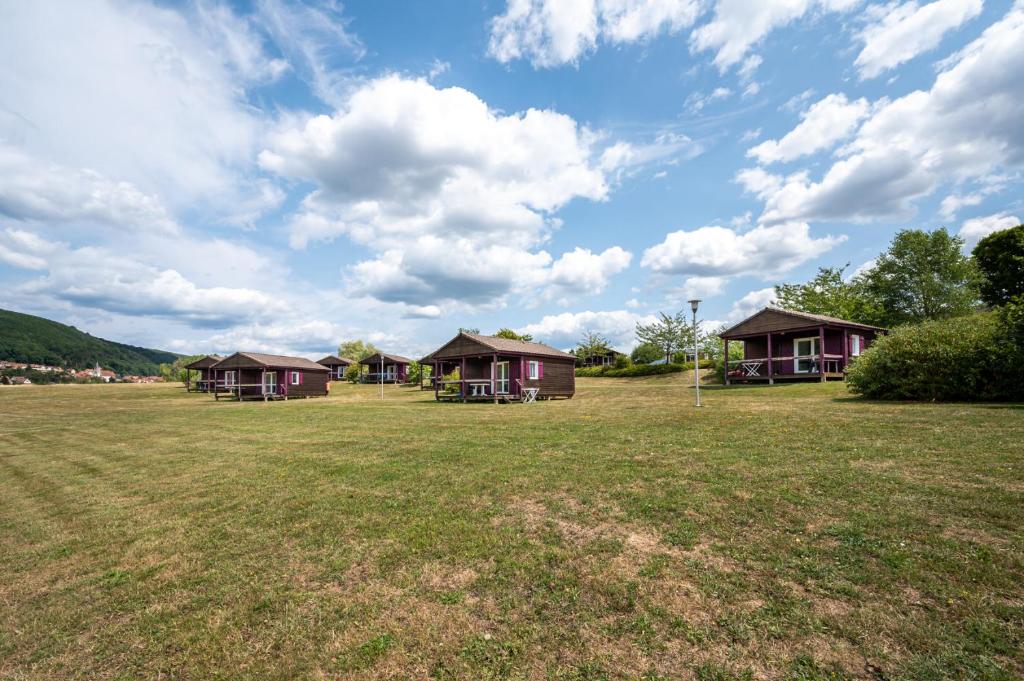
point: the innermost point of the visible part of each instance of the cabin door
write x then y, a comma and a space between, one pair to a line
805, 355
270, 383
502, 378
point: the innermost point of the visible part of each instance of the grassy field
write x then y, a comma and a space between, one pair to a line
789, 532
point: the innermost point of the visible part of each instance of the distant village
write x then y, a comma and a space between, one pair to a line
22, 373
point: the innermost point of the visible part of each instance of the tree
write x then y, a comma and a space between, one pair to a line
829, 293
923, 275
591, 344
670, 333
1000, 260
645, 353
505, 332
356, 349
468, 329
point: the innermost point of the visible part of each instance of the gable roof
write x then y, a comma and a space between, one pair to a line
334, 359
242, 359
376, 357
498, 344
771, 318
204, 362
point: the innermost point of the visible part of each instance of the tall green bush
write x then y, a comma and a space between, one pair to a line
964, 358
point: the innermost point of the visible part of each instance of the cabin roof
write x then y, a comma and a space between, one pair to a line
498, 344
334, 359
377, 356
778, 319
243, 359
204, 362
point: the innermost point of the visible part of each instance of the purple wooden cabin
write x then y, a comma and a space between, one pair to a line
258, 376
788, 345
492, 368
203, 366
385, 368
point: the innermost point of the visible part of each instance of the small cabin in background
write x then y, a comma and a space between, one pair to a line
493, 368
385, 368
258, 376
605, 358
203, 365
789, 345
337, 366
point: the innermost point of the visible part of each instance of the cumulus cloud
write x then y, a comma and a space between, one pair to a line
557, 32
565, 330
454, 198
738, 25
966, 126
716, 251
899, 32
975, 229
824, 124
751, 303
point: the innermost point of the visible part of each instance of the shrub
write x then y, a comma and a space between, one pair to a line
965, 358
635, 370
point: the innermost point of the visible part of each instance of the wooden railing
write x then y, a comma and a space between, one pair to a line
757, 367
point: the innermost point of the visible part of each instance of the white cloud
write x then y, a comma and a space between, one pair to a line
900, 32
975, 229
624, 159
696, 101
98, 82
716, 251
428, 177
825, 123
965, 127
750, 135
738, 25
751, 303
565, 330
51, 193
310, 338
557, 32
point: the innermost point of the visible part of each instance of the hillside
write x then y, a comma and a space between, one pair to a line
27, 338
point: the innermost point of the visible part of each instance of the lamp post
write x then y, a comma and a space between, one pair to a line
696, 358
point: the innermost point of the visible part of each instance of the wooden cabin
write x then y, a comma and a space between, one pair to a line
789, 345
493, 368
258, 376
604, 358
384, 368
337, 365
203, 365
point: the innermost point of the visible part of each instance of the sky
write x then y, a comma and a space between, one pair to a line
281, 176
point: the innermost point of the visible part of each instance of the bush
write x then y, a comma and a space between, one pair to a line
966, 358
635, 370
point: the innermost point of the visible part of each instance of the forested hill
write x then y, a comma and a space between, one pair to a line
26, 338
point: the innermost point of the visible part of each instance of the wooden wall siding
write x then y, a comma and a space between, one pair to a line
559, 377
314, 384
460, 346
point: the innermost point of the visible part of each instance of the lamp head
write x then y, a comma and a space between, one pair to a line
693, 305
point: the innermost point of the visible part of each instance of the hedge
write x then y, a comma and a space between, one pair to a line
635, 370
966, 358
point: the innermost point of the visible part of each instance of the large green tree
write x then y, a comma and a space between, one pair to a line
830, 293
356, 349
645, 353
671, 333
1000, 260
592, 343
923, 275
505, 332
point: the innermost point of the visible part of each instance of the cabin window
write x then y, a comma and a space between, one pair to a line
295, 378
229, 378
534, 370
805, 355
856, 344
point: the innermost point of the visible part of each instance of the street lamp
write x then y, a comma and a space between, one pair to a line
696, 358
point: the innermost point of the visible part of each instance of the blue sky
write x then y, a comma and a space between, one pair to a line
281, 176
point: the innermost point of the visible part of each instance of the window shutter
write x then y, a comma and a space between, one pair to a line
540, 370
300, 377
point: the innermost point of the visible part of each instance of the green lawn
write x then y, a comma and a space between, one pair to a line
786, 532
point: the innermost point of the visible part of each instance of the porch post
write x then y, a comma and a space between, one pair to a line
726, 361
846, 349
215, 395
771, 373
263, 383
188, 380
821, 352
437, 372
494, 377
462, 379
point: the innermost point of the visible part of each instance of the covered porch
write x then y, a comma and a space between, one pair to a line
813, 353
484, 378
250, 384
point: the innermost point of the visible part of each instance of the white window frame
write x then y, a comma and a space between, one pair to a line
293, 379
501, 378
533, 370
815, 352
229, 378
857, 345
270, 381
